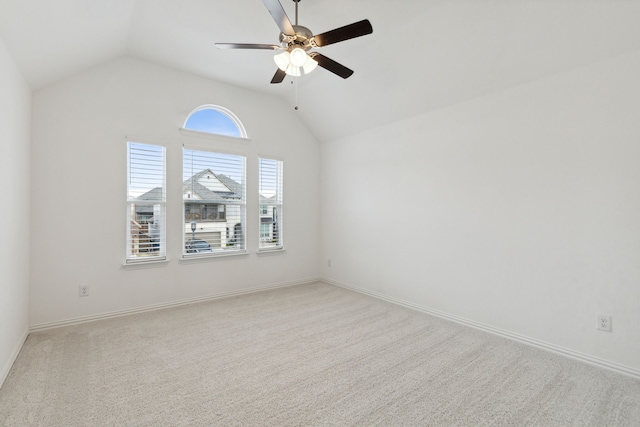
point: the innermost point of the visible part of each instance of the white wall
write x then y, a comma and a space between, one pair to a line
519, 210
15, 104
78, 225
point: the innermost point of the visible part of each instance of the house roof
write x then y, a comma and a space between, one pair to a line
152, 195
422, 55
202, 193
231, 184
264, 199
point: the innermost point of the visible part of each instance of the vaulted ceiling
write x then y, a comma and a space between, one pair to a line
422, 55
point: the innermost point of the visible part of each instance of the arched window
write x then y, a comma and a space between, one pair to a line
216, 120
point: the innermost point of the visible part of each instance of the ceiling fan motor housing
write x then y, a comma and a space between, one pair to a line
302, 38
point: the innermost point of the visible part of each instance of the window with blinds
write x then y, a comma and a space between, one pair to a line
146, 197
270, 193
214, 202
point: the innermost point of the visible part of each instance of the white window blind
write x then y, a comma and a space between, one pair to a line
214, 202
270, 192
146, 197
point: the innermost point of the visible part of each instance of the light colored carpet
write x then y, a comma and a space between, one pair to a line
305, 355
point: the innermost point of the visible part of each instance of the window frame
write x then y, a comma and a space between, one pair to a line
158, 203
225, 230
276, 205
225, 111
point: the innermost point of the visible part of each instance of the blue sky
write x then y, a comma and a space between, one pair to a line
212, 121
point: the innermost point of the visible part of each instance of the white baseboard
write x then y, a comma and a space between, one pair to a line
626, 370
12, 357
120, 313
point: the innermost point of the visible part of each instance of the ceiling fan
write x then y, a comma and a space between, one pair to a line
296, 43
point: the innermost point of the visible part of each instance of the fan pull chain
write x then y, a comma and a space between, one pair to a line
296, 84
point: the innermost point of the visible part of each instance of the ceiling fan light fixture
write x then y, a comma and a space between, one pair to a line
298, 57
282, 60
296, 40
309, 65
292, 70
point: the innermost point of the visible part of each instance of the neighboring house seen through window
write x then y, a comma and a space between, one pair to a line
146, 197
270, 192
213, 193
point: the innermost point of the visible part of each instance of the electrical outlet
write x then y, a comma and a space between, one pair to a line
84, 290
604, 322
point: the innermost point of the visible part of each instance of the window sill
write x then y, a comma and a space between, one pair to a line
145, 263
269, 252
206, 135
213, 256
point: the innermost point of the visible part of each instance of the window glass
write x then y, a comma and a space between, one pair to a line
214, 202
271, 208
146, 226
216, 120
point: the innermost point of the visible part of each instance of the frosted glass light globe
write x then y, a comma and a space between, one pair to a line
282, 60
298, 57
309, 65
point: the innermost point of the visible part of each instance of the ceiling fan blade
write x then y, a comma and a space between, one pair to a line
347, 32
247, 46
277, 12
278, 77
331, 65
